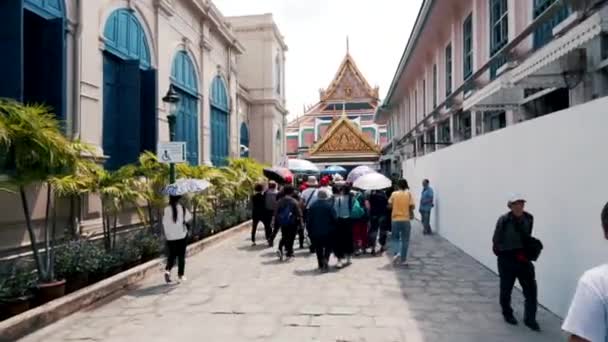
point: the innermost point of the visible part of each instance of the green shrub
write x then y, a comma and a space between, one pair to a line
149, 244
76, 258
17, 284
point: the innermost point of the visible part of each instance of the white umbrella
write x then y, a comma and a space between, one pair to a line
373, 181
186, 186
301, 165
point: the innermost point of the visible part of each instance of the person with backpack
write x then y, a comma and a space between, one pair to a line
343, 241
270, 205
288, 216
377, 203
175, 226
309, 196
321, 226
513, 230
360, 222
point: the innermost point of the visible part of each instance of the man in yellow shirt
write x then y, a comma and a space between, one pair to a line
402, 206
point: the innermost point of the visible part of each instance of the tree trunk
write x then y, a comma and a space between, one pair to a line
150, 216
51, 251
194, 227
47, 239
114, 229
30, 229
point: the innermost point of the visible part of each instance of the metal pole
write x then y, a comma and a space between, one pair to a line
171, 118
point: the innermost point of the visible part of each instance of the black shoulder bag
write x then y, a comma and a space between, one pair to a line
532, 245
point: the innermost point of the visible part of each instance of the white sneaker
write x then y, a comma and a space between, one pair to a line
339, 264
348, 260
181, 279
167, 277
396, 259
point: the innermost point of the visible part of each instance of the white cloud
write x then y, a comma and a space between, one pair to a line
316, 30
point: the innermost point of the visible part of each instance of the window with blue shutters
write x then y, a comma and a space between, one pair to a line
467, 47
129, 91
499, 32
448, 70
185, 82
219, 122
544, 33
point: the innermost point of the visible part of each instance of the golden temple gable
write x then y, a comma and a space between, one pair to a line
343, 136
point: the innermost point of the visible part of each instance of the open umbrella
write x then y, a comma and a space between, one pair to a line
301, 165
358, 172
278, 174
331, 170
372, 181
184, 186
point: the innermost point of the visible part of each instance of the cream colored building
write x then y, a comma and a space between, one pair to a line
262, 70
105, 65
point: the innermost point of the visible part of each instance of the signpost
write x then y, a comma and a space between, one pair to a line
171, 152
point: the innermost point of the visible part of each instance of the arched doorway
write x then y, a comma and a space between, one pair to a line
129, 91
244, 140
220, 118
33, 50
184, 80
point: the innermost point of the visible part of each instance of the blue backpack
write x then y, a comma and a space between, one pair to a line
285, 215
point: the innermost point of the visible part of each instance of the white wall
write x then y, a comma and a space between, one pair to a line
558, 161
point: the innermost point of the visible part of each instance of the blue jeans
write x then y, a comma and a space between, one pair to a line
400, 238
425, 217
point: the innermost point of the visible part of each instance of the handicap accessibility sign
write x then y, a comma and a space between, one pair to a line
171, 152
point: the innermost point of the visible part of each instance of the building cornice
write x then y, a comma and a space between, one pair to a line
272, 27
273, 102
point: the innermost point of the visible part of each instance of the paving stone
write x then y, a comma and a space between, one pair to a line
239, 294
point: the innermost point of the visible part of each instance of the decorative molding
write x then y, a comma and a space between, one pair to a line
206, 44
166, 6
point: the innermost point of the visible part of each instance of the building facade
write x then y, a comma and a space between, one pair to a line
476, 66
262, 72
104, 66
345, 109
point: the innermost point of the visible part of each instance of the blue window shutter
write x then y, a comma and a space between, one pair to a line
44, 63
183, 77
11, 45
130, 118
219, 122
122, 115
149, 115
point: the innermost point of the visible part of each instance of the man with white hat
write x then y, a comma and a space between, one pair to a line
512, 230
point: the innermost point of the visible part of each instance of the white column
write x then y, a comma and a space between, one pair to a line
205, 110
452, 130
473, 123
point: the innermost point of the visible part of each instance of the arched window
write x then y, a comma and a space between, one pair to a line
244, 140
220, 118
183, 77
129, 91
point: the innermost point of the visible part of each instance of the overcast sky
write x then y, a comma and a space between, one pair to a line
315, 32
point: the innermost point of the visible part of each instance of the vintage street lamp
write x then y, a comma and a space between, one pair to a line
171, 100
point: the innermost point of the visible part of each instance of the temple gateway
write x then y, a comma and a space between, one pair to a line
340, 128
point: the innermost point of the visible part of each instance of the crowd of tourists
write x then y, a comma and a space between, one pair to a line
335, 218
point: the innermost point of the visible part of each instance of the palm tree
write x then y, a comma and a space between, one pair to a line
153, 177
38, 151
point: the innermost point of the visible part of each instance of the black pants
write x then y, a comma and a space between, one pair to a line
323, 250
256, 220
177, 250
374, 229
509, 269
268, 215
288, 235
343, 241
300, 231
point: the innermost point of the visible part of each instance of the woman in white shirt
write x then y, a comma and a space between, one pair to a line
175, 219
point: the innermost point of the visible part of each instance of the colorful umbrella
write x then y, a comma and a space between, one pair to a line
301, 165
186, 186
372, 181
331, 170
358, 172
280, 175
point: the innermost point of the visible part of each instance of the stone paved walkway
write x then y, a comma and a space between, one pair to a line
238, 293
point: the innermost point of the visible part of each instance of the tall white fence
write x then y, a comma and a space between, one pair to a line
559, 162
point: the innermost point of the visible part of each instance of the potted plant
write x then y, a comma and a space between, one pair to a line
38, 152
15, 295
75, 261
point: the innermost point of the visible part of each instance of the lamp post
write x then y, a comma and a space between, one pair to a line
171, 99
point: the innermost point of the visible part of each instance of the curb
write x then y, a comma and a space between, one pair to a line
37, 318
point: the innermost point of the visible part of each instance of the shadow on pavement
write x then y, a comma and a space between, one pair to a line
153, 290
